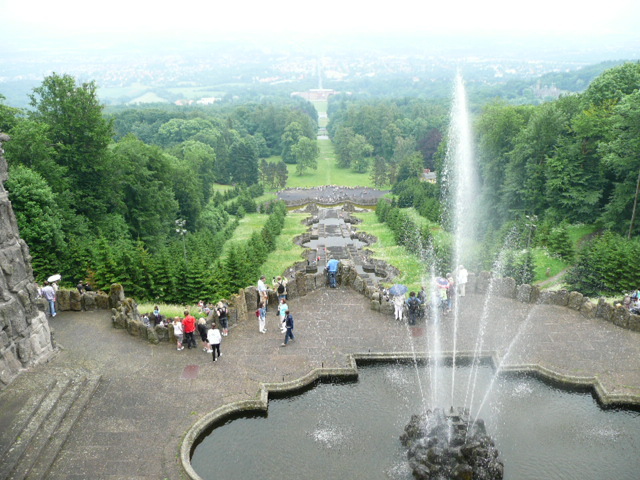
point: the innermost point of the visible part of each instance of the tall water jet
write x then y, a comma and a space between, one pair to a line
460, 183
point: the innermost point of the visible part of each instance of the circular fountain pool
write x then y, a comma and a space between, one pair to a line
352, 431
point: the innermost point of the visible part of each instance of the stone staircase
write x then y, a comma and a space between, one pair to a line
38, 413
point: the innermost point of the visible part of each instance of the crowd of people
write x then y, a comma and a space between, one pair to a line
424, 303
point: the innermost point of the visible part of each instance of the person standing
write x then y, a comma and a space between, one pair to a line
189, 326
178, 332
262, 319
413, 303
214, 338
283, 308
332, 272
263, 292
463, 278
398, 307
289, 328
49, 294
281, 287
223, 317
202, 330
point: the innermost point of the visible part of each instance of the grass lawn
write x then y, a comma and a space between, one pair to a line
286, 253
252, 222
327, 173
548, 266
411, 268
168, 310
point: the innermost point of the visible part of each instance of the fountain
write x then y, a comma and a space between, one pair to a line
447, 438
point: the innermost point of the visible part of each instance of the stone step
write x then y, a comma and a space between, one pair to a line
40, 433
31, 423
18, 410
51, 450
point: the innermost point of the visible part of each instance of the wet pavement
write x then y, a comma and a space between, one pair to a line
149, 396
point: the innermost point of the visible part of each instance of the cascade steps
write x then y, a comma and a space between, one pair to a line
35, 433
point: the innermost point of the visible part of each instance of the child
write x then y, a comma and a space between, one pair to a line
214, 338
262, 318
282, 309
178, 332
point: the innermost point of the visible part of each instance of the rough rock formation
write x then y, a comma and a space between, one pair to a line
25, 337
448, 445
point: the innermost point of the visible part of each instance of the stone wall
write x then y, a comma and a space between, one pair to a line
301, 282
25, 337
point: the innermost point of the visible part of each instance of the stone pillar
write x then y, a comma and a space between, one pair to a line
25, 336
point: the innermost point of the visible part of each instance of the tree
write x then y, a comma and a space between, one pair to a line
291, 136
146, 198
622, 162
244, 168
306, 154
38, 218
80, 134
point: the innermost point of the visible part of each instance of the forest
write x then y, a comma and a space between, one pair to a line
148, 196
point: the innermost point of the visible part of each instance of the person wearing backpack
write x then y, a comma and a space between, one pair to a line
413, 303
281, 288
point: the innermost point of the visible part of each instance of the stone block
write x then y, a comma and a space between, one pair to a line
386, 308
523, 293
152, 335
102, 301
561, 298
358, 285
24, 350
134, 327
63, 300
506, 287
634, 322
603, 309
575, 300
116, 295
301, 283
620, 316
12, 314
375, 305
162, 333
588, 309
75, 301
310, 283
89, 301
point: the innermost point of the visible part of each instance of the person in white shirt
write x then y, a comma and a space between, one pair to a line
214, 338
463, 277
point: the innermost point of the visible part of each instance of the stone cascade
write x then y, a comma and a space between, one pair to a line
25, 336
365, 274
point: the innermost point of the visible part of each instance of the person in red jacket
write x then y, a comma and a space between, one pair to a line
189, 326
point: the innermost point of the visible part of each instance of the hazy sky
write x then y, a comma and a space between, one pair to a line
30, 18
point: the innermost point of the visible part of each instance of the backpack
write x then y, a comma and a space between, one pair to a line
258, 313
413, 304
280, 289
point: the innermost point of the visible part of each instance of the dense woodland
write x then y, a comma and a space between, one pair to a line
127, 194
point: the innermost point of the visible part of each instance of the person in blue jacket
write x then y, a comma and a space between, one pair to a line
332, 272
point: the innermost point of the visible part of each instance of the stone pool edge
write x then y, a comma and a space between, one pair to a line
261, 403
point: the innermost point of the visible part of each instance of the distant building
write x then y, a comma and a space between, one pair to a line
429, 176
315, 94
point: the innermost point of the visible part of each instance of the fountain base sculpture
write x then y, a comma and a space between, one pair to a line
449, 445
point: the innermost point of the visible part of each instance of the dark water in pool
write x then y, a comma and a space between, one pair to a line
350, 431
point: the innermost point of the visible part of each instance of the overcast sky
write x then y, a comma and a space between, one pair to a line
31, 18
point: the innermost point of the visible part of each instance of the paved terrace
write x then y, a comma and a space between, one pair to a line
144, 397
